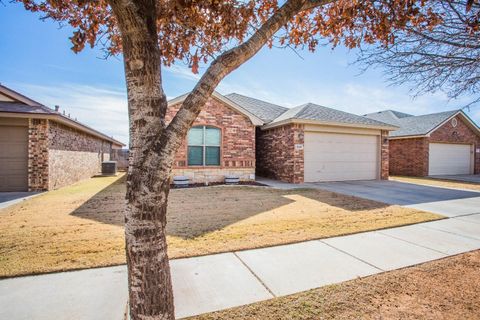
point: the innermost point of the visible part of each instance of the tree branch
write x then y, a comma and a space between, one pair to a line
226, 63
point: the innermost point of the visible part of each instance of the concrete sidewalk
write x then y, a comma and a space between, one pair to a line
215, 282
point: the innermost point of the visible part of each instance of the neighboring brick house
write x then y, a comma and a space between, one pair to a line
445, 143
243, 136
42, 149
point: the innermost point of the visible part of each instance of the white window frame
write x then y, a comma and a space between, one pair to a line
204, 147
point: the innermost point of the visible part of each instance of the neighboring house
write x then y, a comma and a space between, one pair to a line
243, 136
42, 149
444, 143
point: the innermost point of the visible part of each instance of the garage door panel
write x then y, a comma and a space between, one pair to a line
13, 150
344, 150
13, 134
13, 158
336, 157
344, 157
12, 166
449, 159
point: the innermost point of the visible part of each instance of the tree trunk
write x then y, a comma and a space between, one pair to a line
153, 144
149, 281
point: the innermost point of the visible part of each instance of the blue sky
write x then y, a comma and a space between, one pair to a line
37, 61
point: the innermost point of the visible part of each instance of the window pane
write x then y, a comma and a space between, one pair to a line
195, 136
195, 156
212, 136
212, 156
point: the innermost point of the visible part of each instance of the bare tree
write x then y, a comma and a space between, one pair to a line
443, 58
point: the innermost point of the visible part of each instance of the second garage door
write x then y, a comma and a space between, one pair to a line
449, 158
13, 158
340, 157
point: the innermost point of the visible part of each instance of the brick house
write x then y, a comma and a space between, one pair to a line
445, 143
42, 149
221, 142
243, 136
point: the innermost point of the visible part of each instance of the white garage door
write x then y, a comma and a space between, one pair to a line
339, 157
447, 158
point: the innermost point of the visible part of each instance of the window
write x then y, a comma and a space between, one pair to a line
204, 146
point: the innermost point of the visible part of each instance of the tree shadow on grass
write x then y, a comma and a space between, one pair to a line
197, 211
106, 206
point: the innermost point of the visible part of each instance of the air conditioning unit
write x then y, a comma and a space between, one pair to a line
109, 168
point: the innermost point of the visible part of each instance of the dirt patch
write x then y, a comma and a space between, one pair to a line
438, 182
443, 289
81, 226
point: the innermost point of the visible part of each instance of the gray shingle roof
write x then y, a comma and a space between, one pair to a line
421, 125
399, 114
266, 111
271, 113
312, 111
388, 116
16, 107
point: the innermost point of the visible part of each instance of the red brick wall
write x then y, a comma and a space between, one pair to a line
409, 157
62, 137
238, 135
459, 134
59, 155
37, 155
276, 154
384, 158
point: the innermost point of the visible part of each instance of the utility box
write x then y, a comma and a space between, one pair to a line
109, 168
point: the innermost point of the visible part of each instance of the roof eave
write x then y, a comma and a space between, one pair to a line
256, 121
470, 122
64, 120
19, 97
327, 123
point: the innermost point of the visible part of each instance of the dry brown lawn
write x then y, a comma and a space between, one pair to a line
81, 226
443, 289
438, 182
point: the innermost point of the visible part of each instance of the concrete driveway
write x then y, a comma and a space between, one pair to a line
473, 178
10, 198
448, 202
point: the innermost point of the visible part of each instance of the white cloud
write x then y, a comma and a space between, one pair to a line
105, 108
182, 72
102, 108
363, 98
